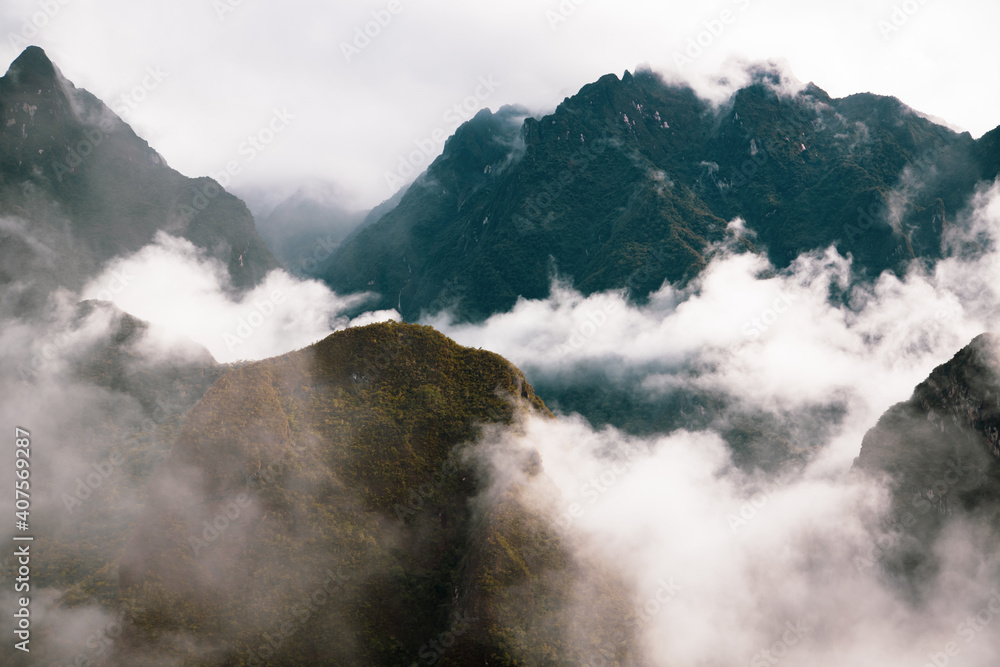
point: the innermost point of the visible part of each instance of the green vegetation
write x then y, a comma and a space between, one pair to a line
629, 182
353, 455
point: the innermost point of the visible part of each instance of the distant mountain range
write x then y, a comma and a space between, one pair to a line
305, 230
630, 182
627, 184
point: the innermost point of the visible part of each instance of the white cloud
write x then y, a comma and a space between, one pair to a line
773, 343
172, 284
749, 555
753, 553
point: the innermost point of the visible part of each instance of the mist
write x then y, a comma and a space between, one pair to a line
726, 563
764, 567
172, 284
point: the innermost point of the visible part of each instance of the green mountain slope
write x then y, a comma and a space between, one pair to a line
320, 507
627, 183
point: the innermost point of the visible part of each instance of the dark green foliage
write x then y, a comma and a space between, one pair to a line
611, 203
352, 453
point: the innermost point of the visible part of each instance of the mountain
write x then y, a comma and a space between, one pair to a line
939, 453
305, 230
114, 391
78, 187
631, 181
322, 507
134, 358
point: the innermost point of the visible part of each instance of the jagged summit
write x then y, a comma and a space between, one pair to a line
32, 67
631, 181
89, 189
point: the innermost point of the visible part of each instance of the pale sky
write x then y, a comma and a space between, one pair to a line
225, 67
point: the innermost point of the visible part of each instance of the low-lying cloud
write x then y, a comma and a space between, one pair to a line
172, 284
766, 569
772, 568
762, 567
772, 340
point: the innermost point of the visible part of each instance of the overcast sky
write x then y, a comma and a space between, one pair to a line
225, 66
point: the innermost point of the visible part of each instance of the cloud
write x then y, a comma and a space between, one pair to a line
774, 340
767, 558
172, 284
54, 384
766, 563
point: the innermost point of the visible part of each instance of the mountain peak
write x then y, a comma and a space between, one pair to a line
32, 67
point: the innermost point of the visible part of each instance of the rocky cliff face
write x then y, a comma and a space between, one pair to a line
940, 455
78, 187
629, 182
